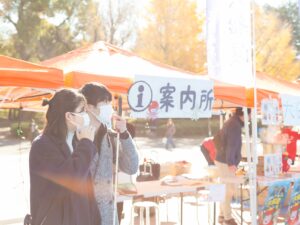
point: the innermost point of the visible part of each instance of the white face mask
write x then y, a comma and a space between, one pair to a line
86, 121
105, 115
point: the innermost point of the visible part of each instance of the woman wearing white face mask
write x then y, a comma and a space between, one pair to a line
101, 113
61, 190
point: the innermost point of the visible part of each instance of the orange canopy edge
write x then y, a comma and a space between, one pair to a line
19, 73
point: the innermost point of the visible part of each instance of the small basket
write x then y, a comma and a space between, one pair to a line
182, 167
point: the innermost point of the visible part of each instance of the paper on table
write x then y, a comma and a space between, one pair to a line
216, 192
180, 181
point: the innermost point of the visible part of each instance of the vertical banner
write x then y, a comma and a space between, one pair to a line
276, 195
270, 112
157, 97
229, 36
291, 109
294, 205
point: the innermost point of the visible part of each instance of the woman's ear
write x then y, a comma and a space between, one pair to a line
68, 116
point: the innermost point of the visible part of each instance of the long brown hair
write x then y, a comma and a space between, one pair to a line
64, 100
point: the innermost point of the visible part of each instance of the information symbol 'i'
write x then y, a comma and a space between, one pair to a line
140, 96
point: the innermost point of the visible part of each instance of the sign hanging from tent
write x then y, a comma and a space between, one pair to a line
291, 109
159, 97
270, 112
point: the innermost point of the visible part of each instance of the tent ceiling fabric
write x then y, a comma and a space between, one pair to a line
104, 59
116, 84
276, 85
18, 73
25, 81
11, 94
116, 68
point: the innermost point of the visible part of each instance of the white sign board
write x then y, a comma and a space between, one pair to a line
270, 112
290, 109
272, 165
160, 97
217, 192
229, 54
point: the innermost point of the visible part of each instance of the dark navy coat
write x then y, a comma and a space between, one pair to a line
231, 135
61, 191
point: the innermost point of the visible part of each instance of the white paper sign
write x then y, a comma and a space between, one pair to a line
272, 165
217, 193
229, 44
290, 109
270, 111
159, 97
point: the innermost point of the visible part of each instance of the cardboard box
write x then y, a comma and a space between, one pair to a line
269, 165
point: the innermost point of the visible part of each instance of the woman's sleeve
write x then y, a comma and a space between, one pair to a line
49, 161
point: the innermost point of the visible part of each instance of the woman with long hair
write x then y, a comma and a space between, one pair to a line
61, 190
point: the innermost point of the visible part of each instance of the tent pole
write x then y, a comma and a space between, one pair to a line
117, 166
252, 174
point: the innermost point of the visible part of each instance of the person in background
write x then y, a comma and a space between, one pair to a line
228, 158
102, 168
171, 130
61, 190
33, 130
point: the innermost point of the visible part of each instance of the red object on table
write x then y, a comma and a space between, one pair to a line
285, 162
291, 146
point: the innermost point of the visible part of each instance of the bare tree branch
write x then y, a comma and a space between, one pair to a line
10, 20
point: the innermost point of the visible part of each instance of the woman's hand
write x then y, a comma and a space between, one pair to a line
120, 124
232, 168
86, 132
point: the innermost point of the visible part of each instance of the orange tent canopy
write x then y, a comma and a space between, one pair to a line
267, 87
19, 73
116, 68
25, 81
276, 85
270, 87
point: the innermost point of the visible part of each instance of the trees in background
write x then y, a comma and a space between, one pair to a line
112, 21
169, 31
41, 29
275, 53
172, 34
289, 14
119, 22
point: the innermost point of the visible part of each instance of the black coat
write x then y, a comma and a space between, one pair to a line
231, 135
61, 191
